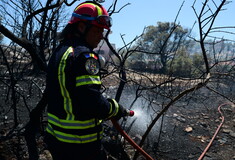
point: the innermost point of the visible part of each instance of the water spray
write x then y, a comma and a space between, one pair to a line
128, 138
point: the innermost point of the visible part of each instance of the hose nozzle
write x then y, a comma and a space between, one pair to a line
130, 113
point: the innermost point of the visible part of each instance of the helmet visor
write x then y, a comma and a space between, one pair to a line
103, 20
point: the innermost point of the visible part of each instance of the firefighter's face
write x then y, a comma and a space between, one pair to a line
94, 36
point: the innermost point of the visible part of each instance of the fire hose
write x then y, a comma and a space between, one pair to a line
128, 138
148, 157
215, 134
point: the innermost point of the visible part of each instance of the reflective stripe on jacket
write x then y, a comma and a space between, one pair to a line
74, 124
87, 79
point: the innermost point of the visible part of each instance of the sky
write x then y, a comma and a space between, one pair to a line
132, 19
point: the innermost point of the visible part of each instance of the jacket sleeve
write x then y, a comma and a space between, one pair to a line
89, 100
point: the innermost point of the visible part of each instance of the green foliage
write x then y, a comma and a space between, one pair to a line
166, 50
136, 61
198, 64
181, 65
163, 37
184, 65
162, 40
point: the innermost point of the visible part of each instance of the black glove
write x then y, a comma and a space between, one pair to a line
122, 112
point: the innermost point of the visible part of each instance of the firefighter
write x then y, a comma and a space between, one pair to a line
76, 106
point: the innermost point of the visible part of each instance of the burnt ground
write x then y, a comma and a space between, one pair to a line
187, 128
186, 131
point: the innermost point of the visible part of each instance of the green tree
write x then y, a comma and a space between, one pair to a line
198, 64
181, 65
163, 40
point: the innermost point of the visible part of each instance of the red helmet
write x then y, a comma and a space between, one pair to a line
92, 12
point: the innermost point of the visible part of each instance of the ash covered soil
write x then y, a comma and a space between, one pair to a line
186, 131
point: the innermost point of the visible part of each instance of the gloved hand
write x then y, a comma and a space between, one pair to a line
121, 110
